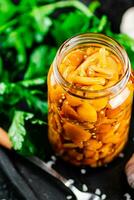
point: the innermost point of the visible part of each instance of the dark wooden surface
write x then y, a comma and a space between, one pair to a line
6, 189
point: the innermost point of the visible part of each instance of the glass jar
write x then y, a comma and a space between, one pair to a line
89, 117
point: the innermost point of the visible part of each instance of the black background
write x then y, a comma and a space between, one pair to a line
20, 180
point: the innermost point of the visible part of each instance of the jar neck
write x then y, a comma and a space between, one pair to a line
89, 39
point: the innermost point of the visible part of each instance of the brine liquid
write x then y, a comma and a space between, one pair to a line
89, 131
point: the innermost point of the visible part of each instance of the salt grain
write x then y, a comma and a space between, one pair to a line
69, 182
103, 196
128, 197
98, 191
53, 158
69, 197
83, 171
84, 188
50, 163
121, 155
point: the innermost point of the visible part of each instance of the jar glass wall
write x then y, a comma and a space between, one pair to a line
90, 95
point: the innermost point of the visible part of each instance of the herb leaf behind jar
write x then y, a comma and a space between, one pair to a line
24, 139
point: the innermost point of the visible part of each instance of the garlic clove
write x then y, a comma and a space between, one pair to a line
129, 169
127, 25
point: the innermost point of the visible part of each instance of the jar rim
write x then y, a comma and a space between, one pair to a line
87, 38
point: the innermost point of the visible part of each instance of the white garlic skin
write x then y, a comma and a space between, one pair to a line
129, 169
127, 23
